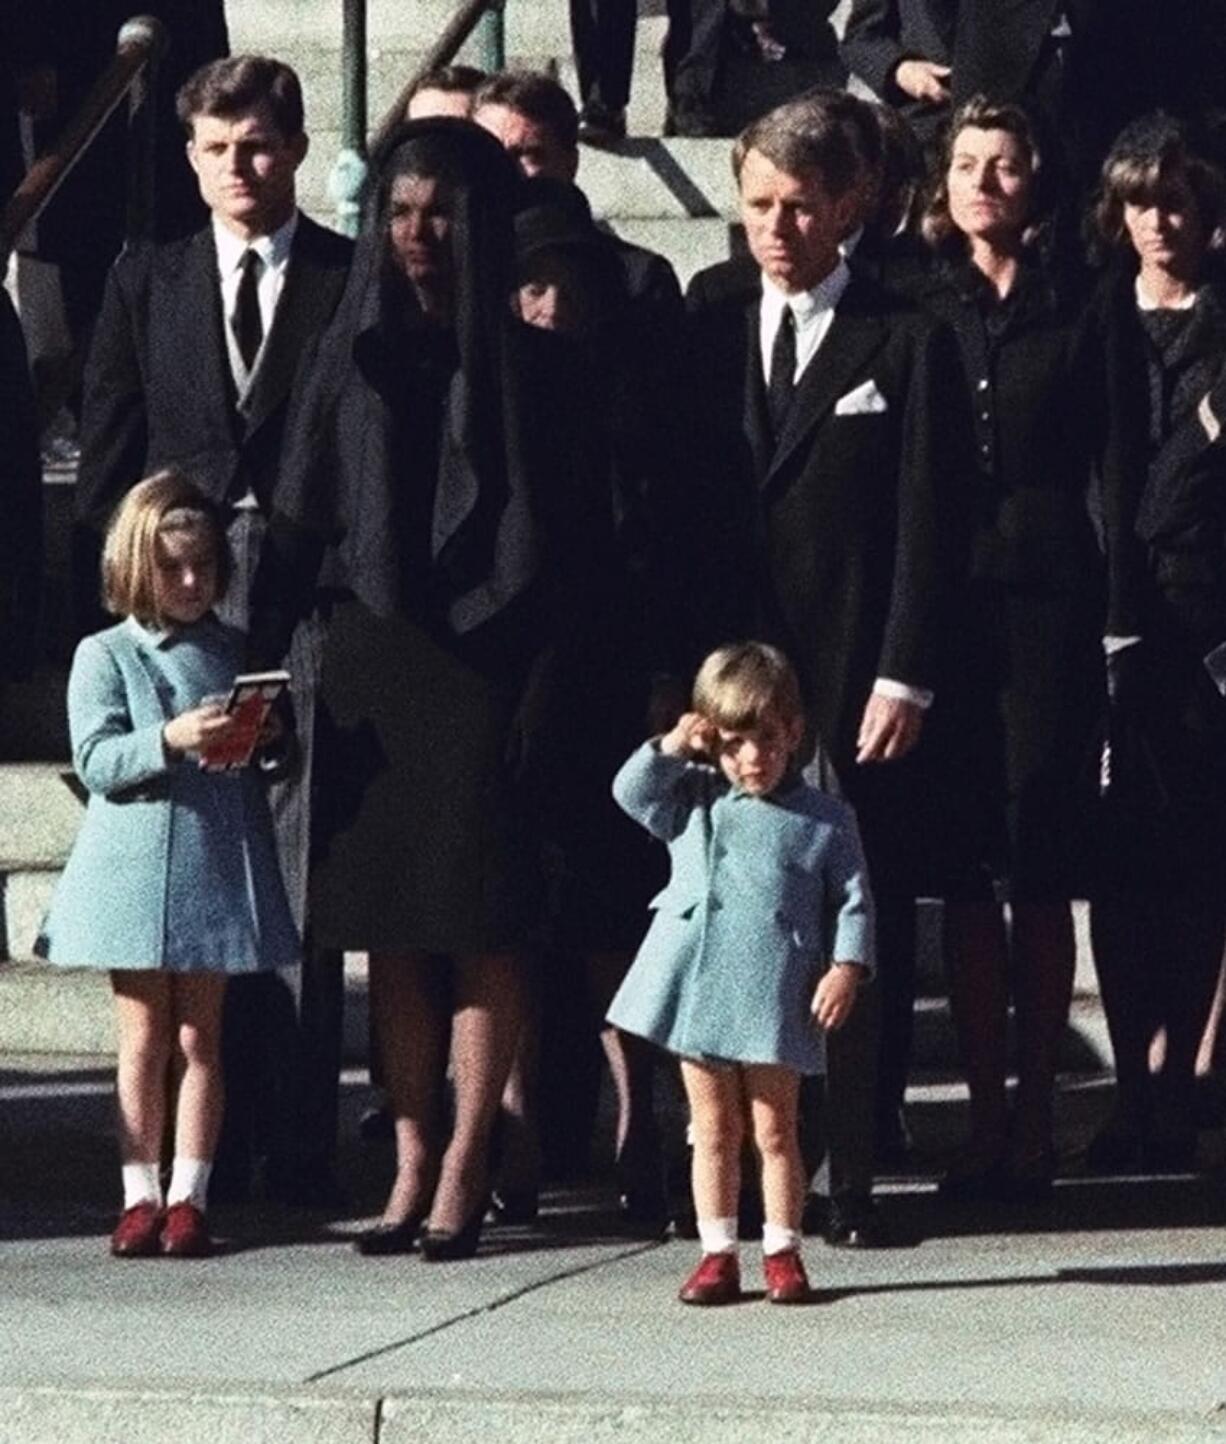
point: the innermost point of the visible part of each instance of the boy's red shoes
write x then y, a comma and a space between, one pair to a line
184, 1233
786, 1281
716, 1280
138, 1232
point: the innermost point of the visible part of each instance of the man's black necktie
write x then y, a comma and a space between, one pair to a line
248, 323
782, 384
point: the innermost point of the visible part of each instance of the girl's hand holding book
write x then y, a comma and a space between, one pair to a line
197, 729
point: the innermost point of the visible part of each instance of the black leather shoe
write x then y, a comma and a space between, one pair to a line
853, 1222
389, 1238
442, 1245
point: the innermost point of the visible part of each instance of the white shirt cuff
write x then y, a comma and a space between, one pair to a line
919, 697
1117, 644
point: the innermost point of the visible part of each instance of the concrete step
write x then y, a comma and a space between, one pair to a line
68, 1011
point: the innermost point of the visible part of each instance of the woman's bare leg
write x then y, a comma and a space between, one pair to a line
408, 995
976, 958
486, 1024
1044, 954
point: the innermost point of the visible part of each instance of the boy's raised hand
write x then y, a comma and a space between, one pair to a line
693, 736
835, 995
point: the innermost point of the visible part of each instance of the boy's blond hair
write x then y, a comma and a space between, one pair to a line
743, 683
162, 504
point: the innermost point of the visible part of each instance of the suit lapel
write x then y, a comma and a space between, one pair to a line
303, 309
756, 420
193, 304
854, 336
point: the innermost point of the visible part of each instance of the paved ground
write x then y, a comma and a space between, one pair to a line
1099, 1317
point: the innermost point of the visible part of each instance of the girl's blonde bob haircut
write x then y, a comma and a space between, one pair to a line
162, 505
740, 685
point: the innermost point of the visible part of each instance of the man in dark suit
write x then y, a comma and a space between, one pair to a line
818, 403
902, 49
191, 366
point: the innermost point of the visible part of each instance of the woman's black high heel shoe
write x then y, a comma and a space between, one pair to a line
442, 1245
390, 1238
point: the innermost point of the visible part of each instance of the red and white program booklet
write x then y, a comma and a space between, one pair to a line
252, 697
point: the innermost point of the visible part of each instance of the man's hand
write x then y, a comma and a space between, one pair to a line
923, 80
889, 729
835, 996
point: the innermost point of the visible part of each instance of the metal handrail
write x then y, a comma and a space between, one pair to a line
140, 42
463, 22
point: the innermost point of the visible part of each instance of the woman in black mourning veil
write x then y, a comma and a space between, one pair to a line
435, 501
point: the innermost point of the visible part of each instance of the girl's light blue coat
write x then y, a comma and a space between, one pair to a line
173, 867
765, 892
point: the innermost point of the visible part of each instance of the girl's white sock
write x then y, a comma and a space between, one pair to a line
189, 1182
776, 1238
717, 1235
142, 1183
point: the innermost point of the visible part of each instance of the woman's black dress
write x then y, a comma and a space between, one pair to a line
1164, 510
439, 491
1020, 691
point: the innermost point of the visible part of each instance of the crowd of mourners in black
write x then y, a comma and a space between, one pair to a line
947, 430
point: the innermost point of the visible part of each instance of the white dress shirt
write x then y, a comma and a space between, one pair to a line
813, 315
274, 251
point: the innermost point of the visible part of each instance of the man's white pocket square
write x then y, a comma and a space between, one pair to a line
864, 400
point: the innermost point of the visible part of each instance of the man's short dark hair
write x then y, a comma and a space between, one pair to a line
451, 79
537, 97
804, 136
232, 86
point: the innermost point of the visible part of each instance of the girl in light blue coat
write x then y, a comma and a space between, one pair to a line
758, 945
173, 881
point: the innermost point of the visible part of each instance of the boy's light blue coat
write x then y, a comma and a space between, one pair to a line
765, 892
173, 867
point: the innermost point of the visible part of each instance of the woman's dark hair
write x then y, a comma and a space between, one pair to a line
1150, 156
979, 113
238, 83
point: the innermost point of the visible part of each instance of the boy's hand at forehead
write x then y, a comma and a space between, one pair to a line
693, 736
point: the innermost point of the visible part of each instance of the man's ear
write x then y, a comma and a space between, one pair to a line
848, 209
300, 144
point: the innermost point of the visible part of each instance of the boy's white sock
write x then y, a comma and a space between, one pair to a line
776, 1238
717, 1235
142, 1183
189, 1182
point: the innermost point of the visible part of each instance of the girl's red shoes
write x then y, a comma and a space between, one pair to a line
184, 1233
786, 1280
138, 1233
716, 1280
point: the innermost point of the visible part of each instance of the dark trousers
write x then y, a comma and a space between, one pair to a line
602, 33
693, 50
281, 1033
868, 1059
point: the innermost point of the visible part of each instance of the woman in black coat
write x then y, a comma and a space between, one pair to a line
435, 488
1159, 909
1016, 703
